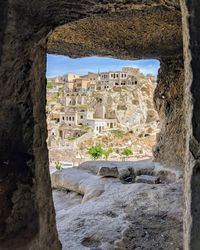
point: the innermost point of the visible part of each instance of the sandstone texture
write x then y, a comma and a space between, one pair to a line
191, 37
155, 30
169, 103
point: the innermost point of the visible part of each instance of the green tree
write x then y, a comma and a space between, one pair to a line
127, 152
95, 151
58, 165
49, 85
107, 152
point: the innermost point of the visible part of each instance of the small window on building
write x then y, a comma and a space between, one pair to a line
70, 125
81, 116
72, 118
63, 118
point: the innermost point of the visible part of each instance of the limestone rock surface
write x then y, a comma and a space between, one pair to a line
78, 181
152, 213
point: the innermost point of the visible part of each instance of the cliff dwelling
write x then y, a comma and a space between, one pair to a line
110, 108
149, 216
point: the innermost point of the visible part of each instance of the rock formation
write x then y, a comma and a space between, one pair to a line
123, 215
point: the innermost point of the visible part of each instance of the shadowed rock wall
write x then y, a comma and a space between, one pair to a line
191, 34
27, 218
168, 99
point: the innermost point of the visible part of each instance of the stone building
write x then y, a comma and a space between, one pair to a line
100, 125
118, 78
80, 84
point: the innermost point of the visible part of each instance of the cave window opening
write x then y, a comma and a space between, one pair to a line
115, 119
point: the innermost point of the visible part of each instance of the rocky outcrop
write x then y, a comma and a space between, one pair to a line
132, 168
105, 221
131, 105
78, 181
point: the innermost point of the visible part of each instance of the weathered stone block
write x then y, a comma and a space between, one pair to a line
108, 172
147, 179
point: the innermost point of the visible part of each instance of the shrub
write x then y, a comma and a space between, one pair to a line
95, 151
107, 152
58, 165
127, 152
49, 85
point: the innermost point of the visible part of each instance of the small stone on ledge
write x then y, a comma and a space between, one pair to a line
147, 179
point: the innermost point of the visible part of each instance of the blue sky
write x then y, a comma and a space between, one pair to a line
60, 65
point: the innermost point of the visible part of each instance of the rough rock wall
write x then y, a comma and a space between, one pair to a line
168, 99
26, 203
27, 218
131, 105
191, 35
140, 32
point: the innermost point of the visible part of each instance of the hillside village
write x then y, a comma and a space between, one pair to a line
112, 108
